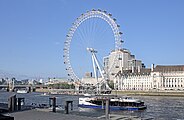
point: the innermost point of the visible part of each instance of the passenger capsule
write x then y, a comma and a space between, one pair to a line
120, 33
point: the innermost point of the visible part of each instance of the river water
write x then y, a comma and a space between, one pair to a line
158, 107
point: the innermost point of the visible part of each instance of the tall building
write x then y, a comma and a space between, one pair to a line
120, 60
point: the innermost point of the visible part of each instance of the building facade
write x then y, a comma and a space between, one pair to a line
158, 78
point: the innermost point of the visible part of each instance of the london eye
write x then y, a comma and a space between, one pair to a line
96, 31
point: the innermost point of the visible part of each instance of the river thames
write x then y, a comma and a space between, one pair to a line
158, 107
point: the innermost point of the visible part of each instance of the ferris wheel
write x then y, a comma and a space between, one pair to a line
95, 29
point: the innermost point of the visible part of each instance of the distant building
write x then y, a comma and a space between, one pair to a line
56, 80
88, 79
168, 77
158, 78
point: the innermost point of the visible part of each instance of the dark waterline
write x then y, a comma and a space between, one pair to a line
158, 107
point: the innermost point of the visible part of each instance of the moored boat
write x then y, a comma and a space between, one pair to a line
22, 91
116, 103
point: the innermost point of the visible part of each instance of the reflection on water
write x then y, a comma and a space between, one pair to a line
158, 107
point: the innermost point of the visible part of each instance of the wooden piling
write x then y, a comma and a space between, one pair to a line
54, 104
67, 106
107, 109
20, 101
102, 104
12, 103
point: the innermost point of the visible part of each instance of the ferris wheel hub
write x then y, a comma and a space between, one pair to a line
92, 50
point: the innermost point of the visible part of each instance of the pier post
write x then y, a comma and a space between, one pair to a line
67, 106
12, 103
102, 104
107, 109
72, 105
20, 100
19, 104
52, 102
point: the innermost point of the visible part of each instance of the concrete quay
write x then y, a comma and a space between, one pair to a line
35, 114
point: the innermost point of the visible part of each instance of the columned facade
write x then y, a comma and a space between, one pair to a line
159, 78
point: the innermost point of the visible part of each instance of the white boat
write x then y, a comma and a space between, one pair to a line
22, 91
115, 103
87, 94
44, 94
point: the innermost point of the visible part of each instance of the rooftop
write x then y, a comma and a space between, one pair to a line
168, 68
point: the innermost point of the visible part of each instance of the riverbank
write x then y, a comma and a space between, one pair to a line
57, 91
150, 93
118, 92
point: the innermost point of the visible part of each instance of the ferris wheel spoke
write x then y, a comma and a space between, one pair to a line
83, 35
81, 40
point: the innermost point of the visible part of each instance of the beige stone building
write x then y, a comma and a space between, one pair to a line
157, 78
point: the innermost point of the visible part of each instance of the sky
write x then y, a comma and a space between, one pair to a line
32, 32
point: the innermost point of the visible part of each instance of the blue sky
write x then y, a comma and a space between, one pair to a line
32, 32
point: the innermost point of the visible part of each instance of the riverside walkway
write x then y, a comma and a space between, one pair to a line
42, 115
35, 114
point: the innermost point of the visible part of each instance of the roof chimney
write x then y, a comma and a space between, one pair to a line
139, 69
152, 67
132, 69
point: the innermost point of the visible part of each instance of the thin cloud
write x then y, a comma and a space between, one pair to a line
57, 43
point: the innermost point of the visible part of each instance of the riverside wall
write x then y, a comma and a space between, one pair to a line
149, 93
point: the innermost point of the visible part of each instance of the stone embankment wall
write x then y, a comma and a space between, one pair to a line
150, 93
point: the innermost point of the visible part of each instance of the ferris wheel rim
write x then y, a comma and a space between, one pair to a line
82, 18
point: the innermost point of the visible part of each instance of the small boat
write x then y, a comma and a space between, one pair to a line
44, 94
87, 94
116, 103
22, 91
